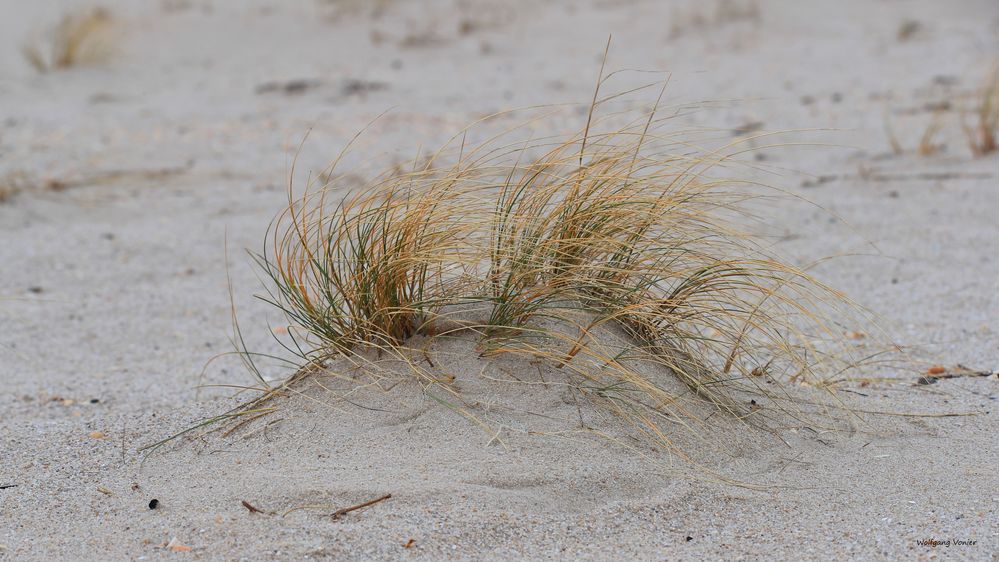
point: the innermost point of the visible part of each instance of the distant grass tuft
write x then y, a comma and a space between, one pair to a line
81, 38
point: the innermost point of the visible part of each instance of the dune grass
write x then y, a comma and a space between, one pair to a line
82, 37
615, 254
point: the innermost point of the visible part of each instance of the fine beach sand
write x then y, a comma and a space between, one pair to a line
134, 175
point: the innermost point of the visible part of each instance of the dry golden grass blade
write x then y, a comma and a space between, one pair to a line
926, 145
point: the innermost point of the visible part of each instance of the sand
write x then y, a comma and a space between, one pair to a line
134, 173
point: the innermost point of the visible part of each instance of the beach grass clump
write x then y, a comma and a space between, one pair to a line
617, 255
82, 37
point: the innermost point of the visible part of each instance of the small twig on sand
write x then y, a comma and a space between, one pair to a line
957, 372
341, 512
253, 509
5, 486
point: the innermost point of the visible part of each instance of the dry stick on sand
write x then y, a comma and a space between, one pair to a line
341, 512
252, 509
